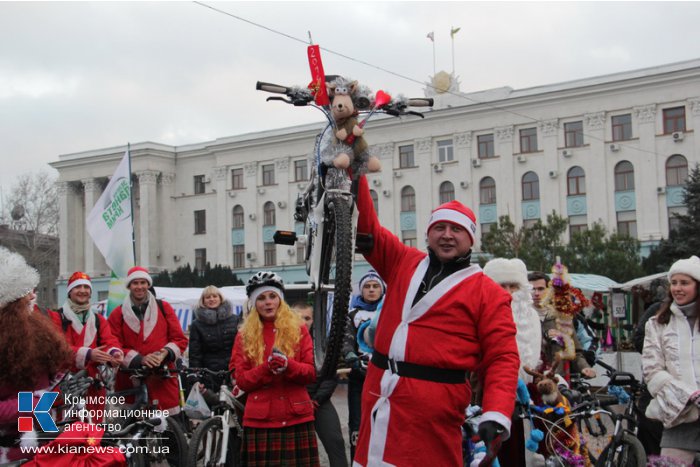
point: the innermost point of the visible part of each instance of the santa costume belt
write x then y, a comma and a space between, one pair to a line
413, 370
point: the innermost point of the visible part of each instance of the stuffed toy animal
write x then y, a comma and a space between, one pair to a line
348, 142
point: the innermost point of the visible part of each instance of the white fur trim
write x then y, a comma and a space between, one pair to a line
130, 355
76, 283
17, 278
456, 217
266, 288
81, 357
30, 439
176, 350
507, 271
90, 326
139, 275
499, 418
4, 455
150, 317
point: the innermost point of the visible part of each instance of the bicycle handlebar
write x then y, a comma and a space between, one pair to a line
420, 102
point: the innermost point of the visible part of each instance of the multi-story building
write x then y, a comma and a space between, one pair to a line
614, 149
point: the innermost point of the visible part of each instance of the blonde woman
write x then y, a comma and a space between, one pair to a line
212, 334
273, 362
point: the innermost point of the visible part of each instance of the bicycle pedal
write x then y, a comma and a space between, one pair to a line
284, 237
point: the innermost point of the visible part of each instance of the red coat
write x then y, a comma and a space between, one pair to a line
165, 333
275, 401
463, 323
81, 349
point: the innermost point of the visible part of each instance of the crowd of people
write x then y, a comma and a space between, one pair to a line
428, 334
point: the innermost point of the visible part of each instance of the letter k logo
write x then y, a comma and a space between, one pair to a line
25, 403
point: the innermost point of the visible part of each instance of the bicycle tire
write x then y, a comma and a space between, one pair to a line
632, 454
211, 429
174, 439
337, 243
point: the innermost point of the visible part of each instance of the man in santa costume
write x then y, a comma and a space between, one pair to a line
151, 336
441, 318
88, 334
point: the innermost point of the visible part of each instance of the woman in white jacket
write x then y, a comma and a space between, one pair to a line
671, 363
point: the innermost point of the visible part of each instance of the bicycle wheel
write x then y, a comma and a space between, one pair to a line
329, 318
630, 453
205, 449
171, 446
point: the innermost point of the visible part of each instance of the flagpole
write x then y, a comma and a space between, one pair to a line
131, 200
453, 52
434, 68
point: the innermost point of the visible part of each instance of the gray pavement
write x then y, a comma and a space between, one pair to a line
340, 401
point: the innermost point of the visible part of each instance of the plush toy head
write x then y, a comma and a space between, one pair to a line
341, 94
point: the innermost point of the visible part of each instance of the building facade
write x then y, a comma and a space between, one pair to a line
613, 149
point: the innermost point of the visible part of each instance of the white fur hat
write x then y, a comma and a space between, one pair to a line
17, 278
689, 267
507, 271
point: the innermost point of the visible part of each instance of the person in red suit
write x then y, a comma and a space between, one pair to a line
88, 334
441, 318
150, 334
273, 360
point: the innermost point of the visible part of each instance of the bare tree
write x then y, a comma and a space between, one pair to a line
33, 200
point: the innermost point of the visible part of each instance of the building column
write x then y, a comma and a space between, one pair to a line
147, 213
166, 239
224, 250
651, 221
91, 188
63, 190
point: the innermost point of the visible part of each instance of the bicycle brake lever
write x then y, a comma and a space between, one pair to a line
278, 98
413, 112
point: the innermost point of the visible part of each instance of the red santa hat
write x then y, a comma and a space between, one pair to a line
455, 213
689, 267
138, 272
78, 278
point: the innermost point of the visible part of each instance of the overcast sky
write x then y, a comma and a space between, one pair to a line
90, 75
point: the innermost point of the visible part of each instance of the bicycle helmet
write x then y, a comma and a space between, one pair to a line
264, 281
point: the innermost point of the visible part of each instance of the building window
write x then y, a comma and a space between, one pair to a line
577, 224
269, 213
486, 148
409, 238
447, 192
624, 176
446, 151
529, 223
408, 199
487, 191
238, 256
673, 220
573, 134
406, 156
200, 222
627, 223
528, 140
674, 119
676, 170
238, 217
200, 259
270, 253
199, 187
301, 170
622, 127
375, 200
268, 174
576, 181
531, 186
237, 179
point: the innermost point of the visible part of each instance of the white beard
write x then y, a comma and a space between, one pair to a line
529, 331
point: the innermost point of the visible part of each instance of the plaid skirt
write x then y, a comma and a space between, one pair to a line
289, 446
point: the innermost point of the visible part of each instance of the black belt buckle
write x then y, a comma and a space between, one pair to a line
392, 366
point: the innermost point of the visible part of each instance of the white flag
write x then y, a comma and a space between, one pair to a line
110, 224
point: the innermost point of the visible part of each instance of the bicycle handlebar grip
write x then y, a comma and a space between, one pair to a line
269, 87
421, 102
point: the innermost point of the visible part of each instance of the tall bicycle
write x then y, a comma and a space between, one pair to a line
327, 210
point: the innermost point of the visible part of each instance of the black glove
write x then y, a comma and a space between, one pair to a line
590, 357
488, 431
352, 360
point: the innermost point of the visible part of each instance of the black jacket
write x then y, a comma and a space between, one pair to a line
212, 334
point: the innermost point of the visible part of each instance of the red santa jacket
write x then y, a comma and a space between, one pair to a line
275, 400
463, 323
159, 329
